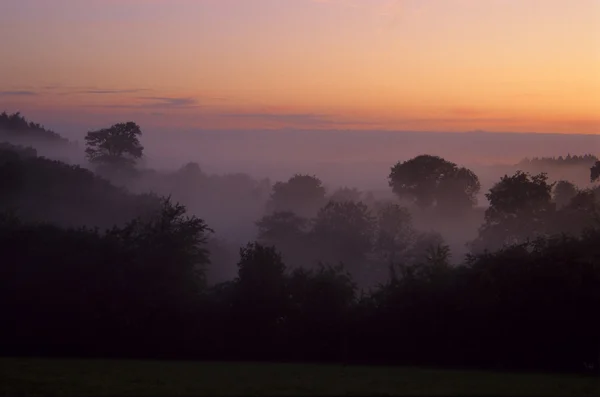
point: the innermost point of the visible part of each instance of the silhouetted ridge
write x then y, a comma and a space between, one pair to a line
17, 127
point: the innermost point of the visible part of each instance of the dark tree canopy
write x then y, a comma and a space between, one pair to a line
344, 232
117, 147
301, 194
564, 191
175, 243
395, 232
260, 268
281, 226
595, 172
430, 180
520, 208
288, 232
582, 212
458, 191
428, 247
346, 194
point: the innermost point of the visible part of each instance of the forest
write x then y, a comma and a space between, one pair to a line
109, 258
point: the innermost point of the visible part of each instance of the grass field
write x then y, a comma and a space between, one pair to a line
113, 377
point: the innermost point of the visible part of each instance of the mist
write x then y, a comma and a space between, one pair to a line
227, 177
222, 230
356, 158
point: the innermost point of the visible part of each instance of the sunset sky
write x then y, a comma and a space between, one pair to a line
431, 65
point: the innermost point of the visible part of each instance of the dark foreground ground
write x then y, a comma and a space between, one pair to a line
114, 377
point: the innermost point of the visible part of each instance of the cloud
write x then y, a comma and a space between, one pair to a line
18, 93
296, 119
170, 102
102, 92
70, 90
157, 103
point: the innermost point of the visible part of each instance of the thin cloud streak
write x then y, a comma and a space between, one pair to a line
103, 92
18, 93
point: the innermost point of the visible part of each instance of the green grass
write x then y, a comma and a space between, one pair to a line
121, 377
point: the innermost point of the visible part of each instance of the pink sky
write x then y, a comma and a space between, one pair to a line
447, 65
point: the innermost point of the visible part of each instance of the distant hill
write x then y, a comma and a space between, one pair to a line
17, 130
43, 190
16, 127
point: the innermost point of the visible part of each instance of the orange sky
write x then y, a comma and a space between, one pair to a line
447, 65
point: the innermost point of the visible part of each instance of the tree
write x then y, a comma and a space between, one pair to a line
172, 246
520, 208
286, 231
346, 194
458, 192
261, 269
115, 148
580, 213
564, 191
595, 172
301, 194
281, 226
260, 300
320, 304
344, 233
429, 180
395, 232
427, 247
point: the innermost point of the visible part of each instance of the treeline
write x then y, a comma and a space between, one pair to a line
586, 160
139, 291
90, 269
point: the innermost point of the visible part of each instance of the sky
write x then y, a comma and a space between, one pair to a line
411, 65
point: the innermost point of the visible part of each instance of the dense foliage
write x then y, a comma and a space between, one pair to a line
432, 181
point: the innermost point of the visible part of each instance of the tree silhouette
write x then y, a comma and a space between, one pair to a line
595, 172
320, 305
564, 191
260, 300
427, 247
457, 192
288, 232
394, 234
301, 194
520, 208
281, 226
346, 194
174, 244
344, 232
115, 148
582, 212
429, 180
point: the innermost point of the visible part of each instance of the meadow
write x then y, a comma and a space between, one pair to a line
69, 377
